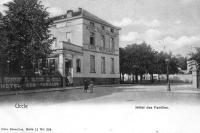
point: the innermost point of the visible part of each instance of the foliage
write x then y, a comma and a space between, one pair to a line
182, 62
3, 42
196, 56
26, 23
138, 59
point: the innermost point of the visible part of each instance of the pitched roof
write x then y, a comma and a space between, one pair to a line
94, 17
85, 14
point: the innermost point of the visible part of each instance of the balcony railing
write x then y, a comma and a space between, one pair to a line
97, 29
100, 49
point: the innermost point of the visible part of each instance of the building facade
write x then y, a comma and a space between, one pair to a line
86, 47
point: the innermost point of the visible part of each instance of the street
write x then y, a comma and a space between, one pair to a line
114, 109
183, 93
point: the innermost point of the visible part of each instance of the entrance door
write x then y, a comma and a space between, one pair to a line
68, 71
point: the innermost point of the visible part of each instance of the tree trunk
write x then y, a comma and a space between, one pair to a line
152, 78
133, 79
120, 78
141, 76
136, 78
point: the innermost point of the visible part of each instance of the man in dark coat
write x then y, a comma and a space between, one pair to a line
85, 86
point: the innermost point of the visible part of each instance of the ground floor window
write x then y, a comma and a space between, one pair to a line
78, 65
103, 65
112, 66
52, 65
92, 63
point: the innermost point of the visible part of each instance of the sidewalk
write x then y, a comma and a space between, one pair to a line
47, 90
187, 91
182, 89
137, 88
38, 90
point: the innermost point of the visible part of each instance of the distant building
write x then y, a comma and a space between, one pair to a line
86, 47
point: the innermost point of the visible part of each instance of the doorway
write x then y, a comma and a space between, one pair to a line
68, 72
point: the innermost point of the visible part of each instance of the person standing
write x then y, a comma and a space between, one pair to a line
91, 86
85, 88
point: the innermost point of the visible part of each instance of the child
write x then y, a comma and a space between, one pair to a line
85, 88
91, 86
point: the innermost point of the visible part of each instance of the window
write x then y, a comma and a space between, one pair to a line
112, 30
103, 42
103, 27
52, 65
92, 63
112, 66
92, 38
78, 65
68, 36
112, 43
103, 65
92, 24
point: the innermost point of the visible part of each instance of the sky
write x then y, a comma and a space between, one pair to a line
168, 25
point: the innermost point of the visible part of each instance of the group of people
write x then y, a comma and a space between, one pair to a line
88, 86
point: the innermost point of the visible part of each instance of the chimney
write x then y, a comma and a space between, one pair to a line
69, 13
79, 9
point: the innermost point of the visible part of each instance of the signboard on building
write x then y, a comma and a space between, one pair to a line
13, 83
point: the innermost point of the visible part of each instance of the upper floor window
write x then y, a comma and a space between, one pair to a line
78, 65
103, 27
112, 30
112, 43
68, 36
92, 24
103, 41
92, 38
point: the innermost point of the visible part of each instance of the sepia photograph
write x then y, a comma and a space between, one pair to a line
99, 66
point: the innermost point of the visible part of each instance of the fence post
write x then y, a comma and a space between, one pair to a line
195, 79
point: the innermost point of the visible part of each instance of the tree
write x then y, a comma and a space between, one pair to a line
137, 59
27, 24
3, 42
123, 63
173, 63
196, 56
182, 62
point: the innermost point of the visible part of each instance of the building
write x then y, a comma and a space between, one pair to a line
86, 47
